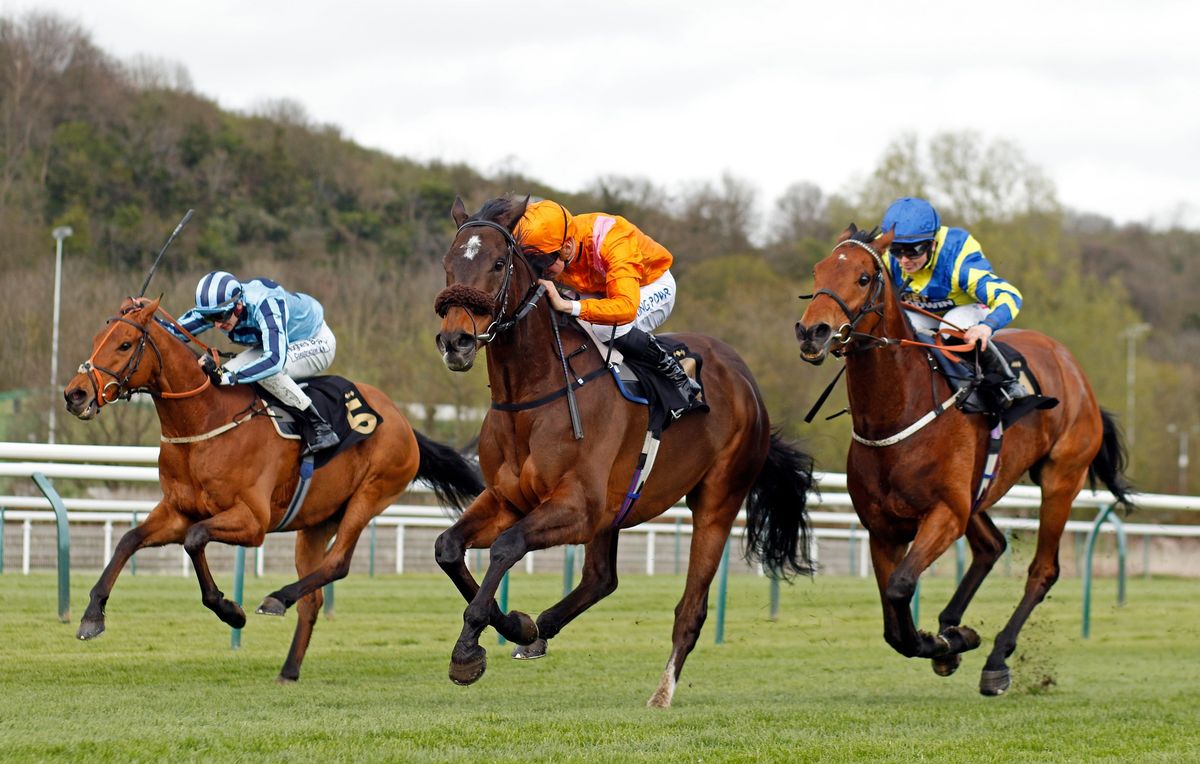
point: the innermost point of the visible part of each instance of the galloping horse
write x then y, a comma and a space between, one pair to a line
913, 483
226, 476
546, 488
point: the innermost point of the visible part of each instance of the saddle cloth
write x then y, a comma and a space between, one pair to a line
340, 403
984, 392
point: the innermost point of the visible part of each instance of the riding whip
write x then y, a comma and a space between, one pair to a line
161, 252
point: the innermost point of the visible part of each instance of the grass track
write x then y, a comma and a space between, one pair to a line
817, 685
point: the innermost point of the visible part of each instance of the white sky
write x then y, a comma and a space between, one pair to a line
1103, 96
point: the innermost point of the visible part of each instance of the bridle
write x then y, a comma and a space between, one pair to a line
458, 295
119, 384
846, 333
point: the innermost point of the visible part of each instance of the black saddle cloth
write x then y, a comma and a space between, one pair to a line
984, 395
340, 403
661, 395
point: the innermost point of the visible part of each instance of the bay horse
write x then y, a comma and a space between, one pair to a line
546, 488
232, 483
914, 484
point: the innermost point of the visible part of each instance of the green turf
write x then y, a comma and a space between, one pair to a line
819, 684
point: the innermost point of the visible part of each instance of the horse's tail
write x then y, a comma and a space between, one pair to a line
1109, 465
454, 479
777, 530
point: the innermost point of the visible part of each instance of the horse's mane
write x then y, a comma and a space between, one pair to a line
863, 235
493, 209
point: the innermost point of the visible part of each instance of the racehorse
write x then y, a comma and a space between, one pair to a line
546, 488
910, 470
226, 476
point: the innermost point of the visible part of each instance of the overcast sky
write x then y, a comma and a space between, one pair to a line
1103, 96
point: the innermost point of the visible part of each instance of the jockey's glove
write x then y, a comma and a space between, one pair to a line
227, 378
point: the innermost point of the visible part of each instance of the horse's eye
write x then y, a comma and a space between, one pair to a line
499, 266
125, 346
864, 279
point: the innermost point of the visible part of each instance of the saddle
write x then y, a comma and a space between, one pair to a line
339, 402
982, 392
642, 384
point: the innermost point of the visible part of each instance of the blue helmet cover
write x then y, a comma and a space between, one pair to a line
912, 220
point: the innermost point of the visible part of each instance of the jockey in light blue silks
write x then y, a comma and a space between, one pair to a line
943, 270
286, 332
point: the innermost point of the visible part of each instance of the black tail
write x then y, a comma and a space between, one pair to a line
1109, 464
454, 479
777, 531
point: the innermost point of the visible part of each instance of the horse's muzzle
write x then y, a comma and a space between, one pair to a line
81, 402
458, 349
814, 341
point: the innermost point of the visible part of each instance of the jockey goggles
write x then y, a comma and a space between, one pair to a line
913, 251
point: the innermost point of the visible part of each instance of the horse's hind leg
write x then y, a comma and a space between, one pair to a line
310, 550
714, 508
987, 544
236, 526
599, 579
162, 526
1058, 492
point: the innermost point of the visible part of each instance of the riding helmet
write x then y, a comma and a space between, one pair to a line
912, 220
217, 292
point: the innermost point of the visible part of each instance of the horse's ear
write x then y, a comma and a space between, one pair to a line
515, 213
459, 211
884, 241
850, 231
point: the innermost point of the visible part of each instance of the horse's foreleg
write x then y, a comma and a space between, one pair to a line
937, 531
709, 533
236, 526
162, 526
599, 579
310, 550
1043, 572
561, 520
987, 544
478, 527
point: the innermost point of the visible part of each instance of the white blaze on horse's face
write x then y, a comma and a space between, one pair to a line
842, 257
471, 248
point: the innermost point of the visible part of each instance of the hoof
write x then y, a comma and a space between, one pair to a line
281, 679
529, 629
994, 683
271, 606
530, 652
968, 637
466, 669
231, 613
947, 665
90, 628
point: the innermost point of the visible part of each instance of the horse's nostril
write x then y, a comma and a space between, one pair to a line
464, 341
820, 333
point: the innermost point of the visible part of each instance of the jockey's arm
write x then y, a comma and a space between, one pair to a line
272, 324
192, 321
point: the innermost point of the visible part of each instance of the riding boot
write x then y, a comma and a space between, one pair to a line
323, 436
644, 347
994, 363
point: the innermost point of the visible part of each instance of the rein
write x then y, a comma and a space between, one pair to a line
120, 378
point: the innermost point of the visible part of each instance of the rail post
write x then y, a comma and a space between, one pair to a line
678, 537
960, 554
503, 599
371, 566
239, 580
1093, 534
774, 596
64, 545
722, 589
1, 540
568, 569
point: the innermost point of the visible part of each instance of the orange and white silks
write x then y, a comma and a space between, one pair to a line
615, 259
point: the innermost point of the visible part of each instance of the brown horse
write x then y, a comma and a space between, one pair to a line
232, 483
914, 484
546, 488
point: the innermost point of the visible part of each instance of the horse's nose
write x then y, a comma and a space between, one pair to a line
813, 339
457, 341
75, 397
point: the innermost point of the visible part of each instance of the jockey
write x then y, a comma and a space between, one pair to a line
943, 270
287, 335
621, 274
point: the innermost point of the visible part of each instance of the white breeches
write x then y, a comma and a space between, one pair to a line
962, 317
305, 358
657, 302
